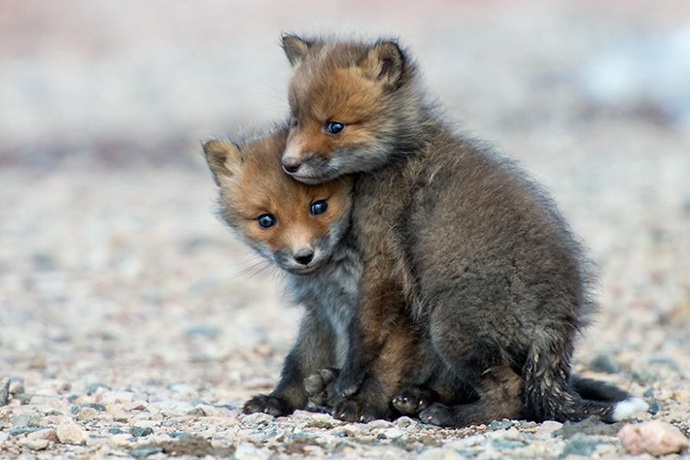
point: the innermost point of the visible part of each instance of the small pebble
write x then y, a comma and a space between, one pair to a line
39, 440
654, 437
321, 421
547, 429
393, 433
502, 424
16, 386
654, 407
92, 388
26, 420
374, 424
35, 444
605, 363
143, 452
5, 393
258, 418
246, 451
404, 422
87, 413
48, 433
69, 432
173, 407
141, 431
580, 444
440, 453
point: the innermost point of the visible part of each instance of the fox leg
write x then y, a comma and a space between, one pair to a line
392, 368
470, 349
313, 350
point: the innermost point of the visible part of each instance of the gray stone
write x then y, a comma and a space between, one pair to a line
5, 393
140, 431
143, 452
580, 444
605, 363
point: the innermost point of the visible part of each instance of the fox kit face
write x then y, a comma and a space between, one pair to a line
295, 226
343, 99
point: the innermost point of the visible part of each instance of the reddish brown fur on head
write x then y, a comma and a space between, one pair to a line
253, 184
368, 88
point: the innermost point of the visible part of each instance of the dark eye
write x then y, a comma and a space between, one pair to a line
333, 127
318, 207
293, 122
266, 220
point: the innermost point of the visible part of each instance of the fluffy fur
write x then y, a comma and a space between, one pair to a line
251, 184
457, 243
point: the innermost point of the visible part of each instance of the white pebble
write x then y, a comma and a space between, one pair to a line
246, 451
69, 432
655, 438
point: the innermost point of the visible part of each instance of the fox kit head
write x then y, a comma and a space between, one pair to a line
351, 105
295, 226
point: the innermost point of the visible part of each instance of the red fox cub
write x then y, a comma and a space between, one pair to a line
303, 230
452, 237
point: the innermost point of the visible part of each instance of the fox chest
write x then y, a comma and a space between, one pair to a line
333, 296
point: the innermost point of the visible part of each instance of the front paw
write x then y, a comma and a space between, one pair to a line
412, 400
271, 405
438, 414
351, 410
349, 382
319, 388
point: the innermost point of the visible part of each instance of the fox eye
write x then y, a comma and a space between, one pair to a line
266, 220
294, 122
334, 127
318, 207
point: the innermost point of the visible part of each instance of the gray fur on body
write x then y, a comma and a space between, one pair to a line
332, 294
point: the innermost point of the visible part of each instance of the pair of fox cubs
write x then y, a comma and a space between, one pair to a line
438, 280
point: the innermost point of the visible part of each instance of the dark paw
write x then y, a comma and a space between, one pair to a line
350, 410
437, 414
412, 400
348, 383
319, 388
267, 404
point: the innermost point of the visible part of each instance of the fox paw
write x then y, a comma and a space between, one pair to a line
412, 400
349, 382
319, 387
438, 414
267, 404
350, 410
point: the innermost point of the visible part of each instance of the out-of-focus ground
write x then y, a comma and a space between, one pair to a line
120, 289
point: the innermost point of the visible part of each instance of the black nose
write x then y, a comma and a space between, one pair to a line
304, 256
291, 165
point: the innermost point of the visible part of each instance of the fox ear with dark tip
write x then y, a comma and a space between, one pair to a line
385, 63
223, 158
295, 49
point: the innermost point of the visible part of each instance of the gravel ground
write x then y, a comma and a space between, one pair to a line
132, 324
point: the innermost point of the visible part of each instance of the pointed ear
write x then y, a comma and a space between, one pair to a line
385, 62
223, 158
295, 49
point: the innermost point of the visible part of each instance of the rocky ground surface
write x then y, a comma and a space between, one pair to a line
132, 324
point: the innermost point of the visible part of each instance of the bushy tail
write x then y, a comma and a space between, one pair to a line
552, 394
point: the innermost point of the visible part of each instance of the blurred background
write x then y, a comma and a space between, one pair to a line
114, 268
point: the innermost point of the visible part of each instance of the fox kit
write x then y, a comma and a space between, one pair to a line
452, 237
303, 230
